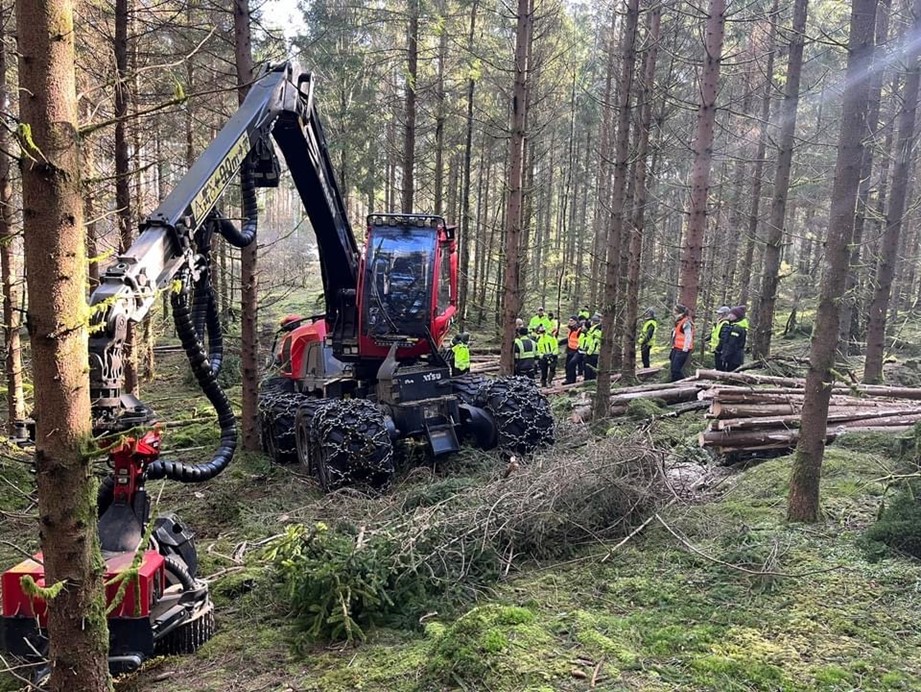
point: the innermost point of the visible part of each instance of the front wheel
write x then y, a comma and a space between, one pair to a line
348, 445
522, 413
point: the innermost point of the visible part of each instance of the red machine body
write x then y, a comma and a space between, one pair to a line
140, 595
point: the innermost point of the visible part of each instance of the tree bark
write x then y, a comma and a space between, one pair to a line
618, 211
124, 211
464, 237
409, 131
249, 275
9, 263
764, 312
758, 174
511, 296
876, 324
55, 252
635, 249
803, 498
689, 280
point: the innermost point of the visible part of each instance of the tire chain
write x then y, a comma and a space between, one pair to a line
277, 413
349, 436
521, 411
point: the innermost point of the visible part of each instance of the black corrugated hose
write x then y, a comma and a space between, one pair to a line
203, 366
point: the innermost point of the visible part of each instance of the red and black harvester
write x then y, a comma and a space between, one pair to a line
351, 382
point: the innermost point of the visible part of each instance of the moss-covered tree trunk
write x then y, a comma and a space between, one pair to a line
803, 500
55, 252
249, 276
16, 407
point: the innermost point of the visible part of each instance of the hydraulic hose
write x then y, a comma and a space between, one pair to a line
247, 232
198, 473
205, 314
179, 569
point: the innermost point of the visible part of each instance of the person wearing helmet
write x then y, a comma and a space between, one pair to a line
647, 334
460, 348
732, 340
539, 320
573, 353
592, 347
548, 351
682, 341
525, 354
722, 318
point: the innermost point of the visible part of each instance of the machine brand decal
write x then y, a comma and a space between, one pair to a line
431, 376
211, 190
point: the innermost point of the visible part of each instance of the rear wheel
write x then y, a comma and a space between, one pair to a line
468, 386
522, 413
280, 426
349, 445
269, 392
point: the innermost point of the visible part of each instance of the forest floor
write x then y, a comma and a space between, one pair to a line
716, 592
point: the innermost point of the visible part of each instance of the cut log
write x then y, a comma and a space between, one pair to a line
798, 383
718, 409
754, 441
793, 420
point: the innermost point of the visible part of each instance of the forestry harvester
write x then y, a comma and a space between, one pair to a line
353, 381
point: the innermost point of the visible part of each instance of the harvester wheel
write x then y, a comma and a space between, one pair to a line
189, 636
269, 391
468, 386
302, 422
521, 411
349, 445
280, 430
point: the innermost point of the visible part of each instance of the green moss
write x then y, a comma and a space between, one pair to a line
645, 409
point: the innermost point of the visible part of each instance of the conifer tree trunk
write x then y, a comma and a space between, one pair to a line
619, 209
249, 276
803, 498
635, 250
125, 213
55, 251
511, 294
9, 264
691, 250
770, 268
876, 324
409, 132
465, 237
758, 174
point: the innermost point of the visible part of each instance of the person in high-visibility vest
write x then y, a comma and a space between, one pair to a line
525, 354
573, 355
460, 347
584, 313
732, 341
554, 325
722, 317
647, 334
538, 320
592, 348
682, 341
548, 352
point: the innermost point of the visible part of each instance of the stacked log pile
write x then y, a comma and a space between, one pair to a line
764, 418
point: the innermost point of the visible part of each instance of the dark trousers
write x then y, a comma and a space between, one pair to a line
678, 358
547, 370
718, 361
525, 368
644, 352
573, 359
591, 367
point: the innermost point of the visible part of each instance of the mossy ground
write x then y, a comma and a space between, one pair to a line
653, 615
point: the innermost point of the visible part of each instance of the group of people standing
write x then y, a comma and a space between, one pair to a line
538, 344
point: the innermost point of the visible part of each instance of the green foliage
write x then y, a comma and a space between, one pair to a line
899, 525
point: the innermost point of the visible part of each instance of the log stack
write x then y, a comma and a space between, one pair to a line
764, 418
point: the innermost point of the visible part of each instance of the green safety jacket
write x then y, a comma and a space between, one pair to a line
538, 321
715, 333
584, 314
593, 341
547, 346
461, 356
648, 332
525, 348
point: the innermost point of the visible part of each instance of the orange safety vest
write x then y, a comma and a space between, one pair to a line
678, 335
573, 341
